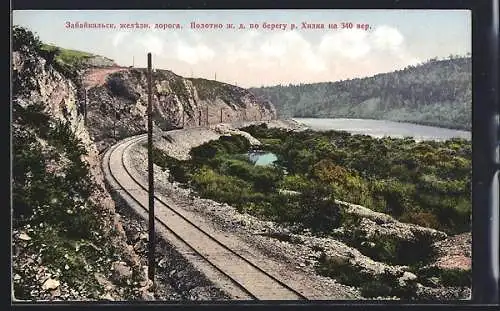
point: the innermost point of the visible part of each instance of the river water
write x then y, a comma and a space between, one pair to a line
381, 128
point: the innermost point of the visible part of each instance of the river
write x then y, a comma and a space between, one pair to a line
381, 128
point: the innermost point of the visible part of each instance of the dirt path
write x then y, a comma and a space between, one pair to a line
97, 76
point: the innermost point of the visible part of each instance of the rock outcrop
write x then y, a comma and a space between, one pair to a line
117, 108
36, 81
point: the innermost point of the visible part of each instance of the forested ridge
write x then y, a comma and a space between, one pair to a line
437, 93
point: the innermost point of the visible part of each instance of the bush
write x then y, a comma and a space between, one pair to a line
179, 170
340, 269
447, 277
318, 208
387, 285
43, 197
424, 219
221, 188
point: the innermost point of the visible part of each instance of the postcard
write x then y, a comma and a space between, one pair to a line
236, 155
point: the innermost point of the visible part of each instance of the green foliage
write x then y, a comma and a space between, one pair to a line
412, 181
225, 144
22, 38
319, 210
382, 285
67, 62
264, 179
347, 185
387, 285
179, 170
446, 277
39, 195
435, 93
388, 249
52, 188
221, 188
340, 269
67, 56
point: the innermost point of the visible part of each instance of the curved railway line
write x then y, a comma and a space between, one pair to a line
238, 276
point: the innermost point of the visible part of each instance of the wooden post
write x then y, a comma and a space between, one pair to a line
151, 251
221, 115
182, 118
85, 108
207, 116
199, 117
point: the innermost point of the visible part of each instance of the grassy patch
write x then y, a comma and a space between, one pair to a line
67, 56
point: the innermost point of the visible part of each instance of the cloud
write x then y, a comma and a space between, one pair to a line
287, 56
276, 50
352, 44
151, 43
387, 38
119, 37
194, 54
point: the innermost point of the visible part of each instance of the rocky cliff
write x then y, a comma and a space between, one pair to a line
48, 126
117, 102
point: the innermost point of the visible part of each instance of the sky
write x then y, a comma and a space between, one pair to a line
253, 57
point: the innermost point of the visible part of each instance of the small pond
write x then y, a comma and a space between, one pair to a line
262, 157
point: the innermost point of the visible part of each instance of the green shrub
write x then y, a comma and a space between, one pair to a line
446, 277
340, 269
425, 219
387, 285
221, 188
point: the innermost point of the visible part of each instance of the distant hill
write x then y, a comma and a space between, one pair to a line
438, 93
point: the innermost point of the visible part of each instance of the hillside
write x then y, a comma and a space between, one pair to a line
116, 108
438, 93
70, 239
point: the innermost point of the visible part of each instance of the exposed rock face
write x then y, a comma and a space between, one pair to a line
376, 223
36, 81
118, 107
99, 61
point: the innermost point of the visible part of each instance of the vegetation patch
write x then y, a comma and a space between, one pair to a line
68, 62
425, 183
434, 276
52, 189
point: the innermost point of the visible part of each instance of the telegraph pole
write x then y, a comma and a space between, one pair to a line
85, 108
151, 251
206, 115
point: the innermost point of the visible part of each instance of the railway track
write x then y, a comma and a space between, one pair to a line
241, 278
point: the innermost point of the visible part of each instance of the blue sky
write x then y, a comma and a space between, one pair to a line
255, 57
